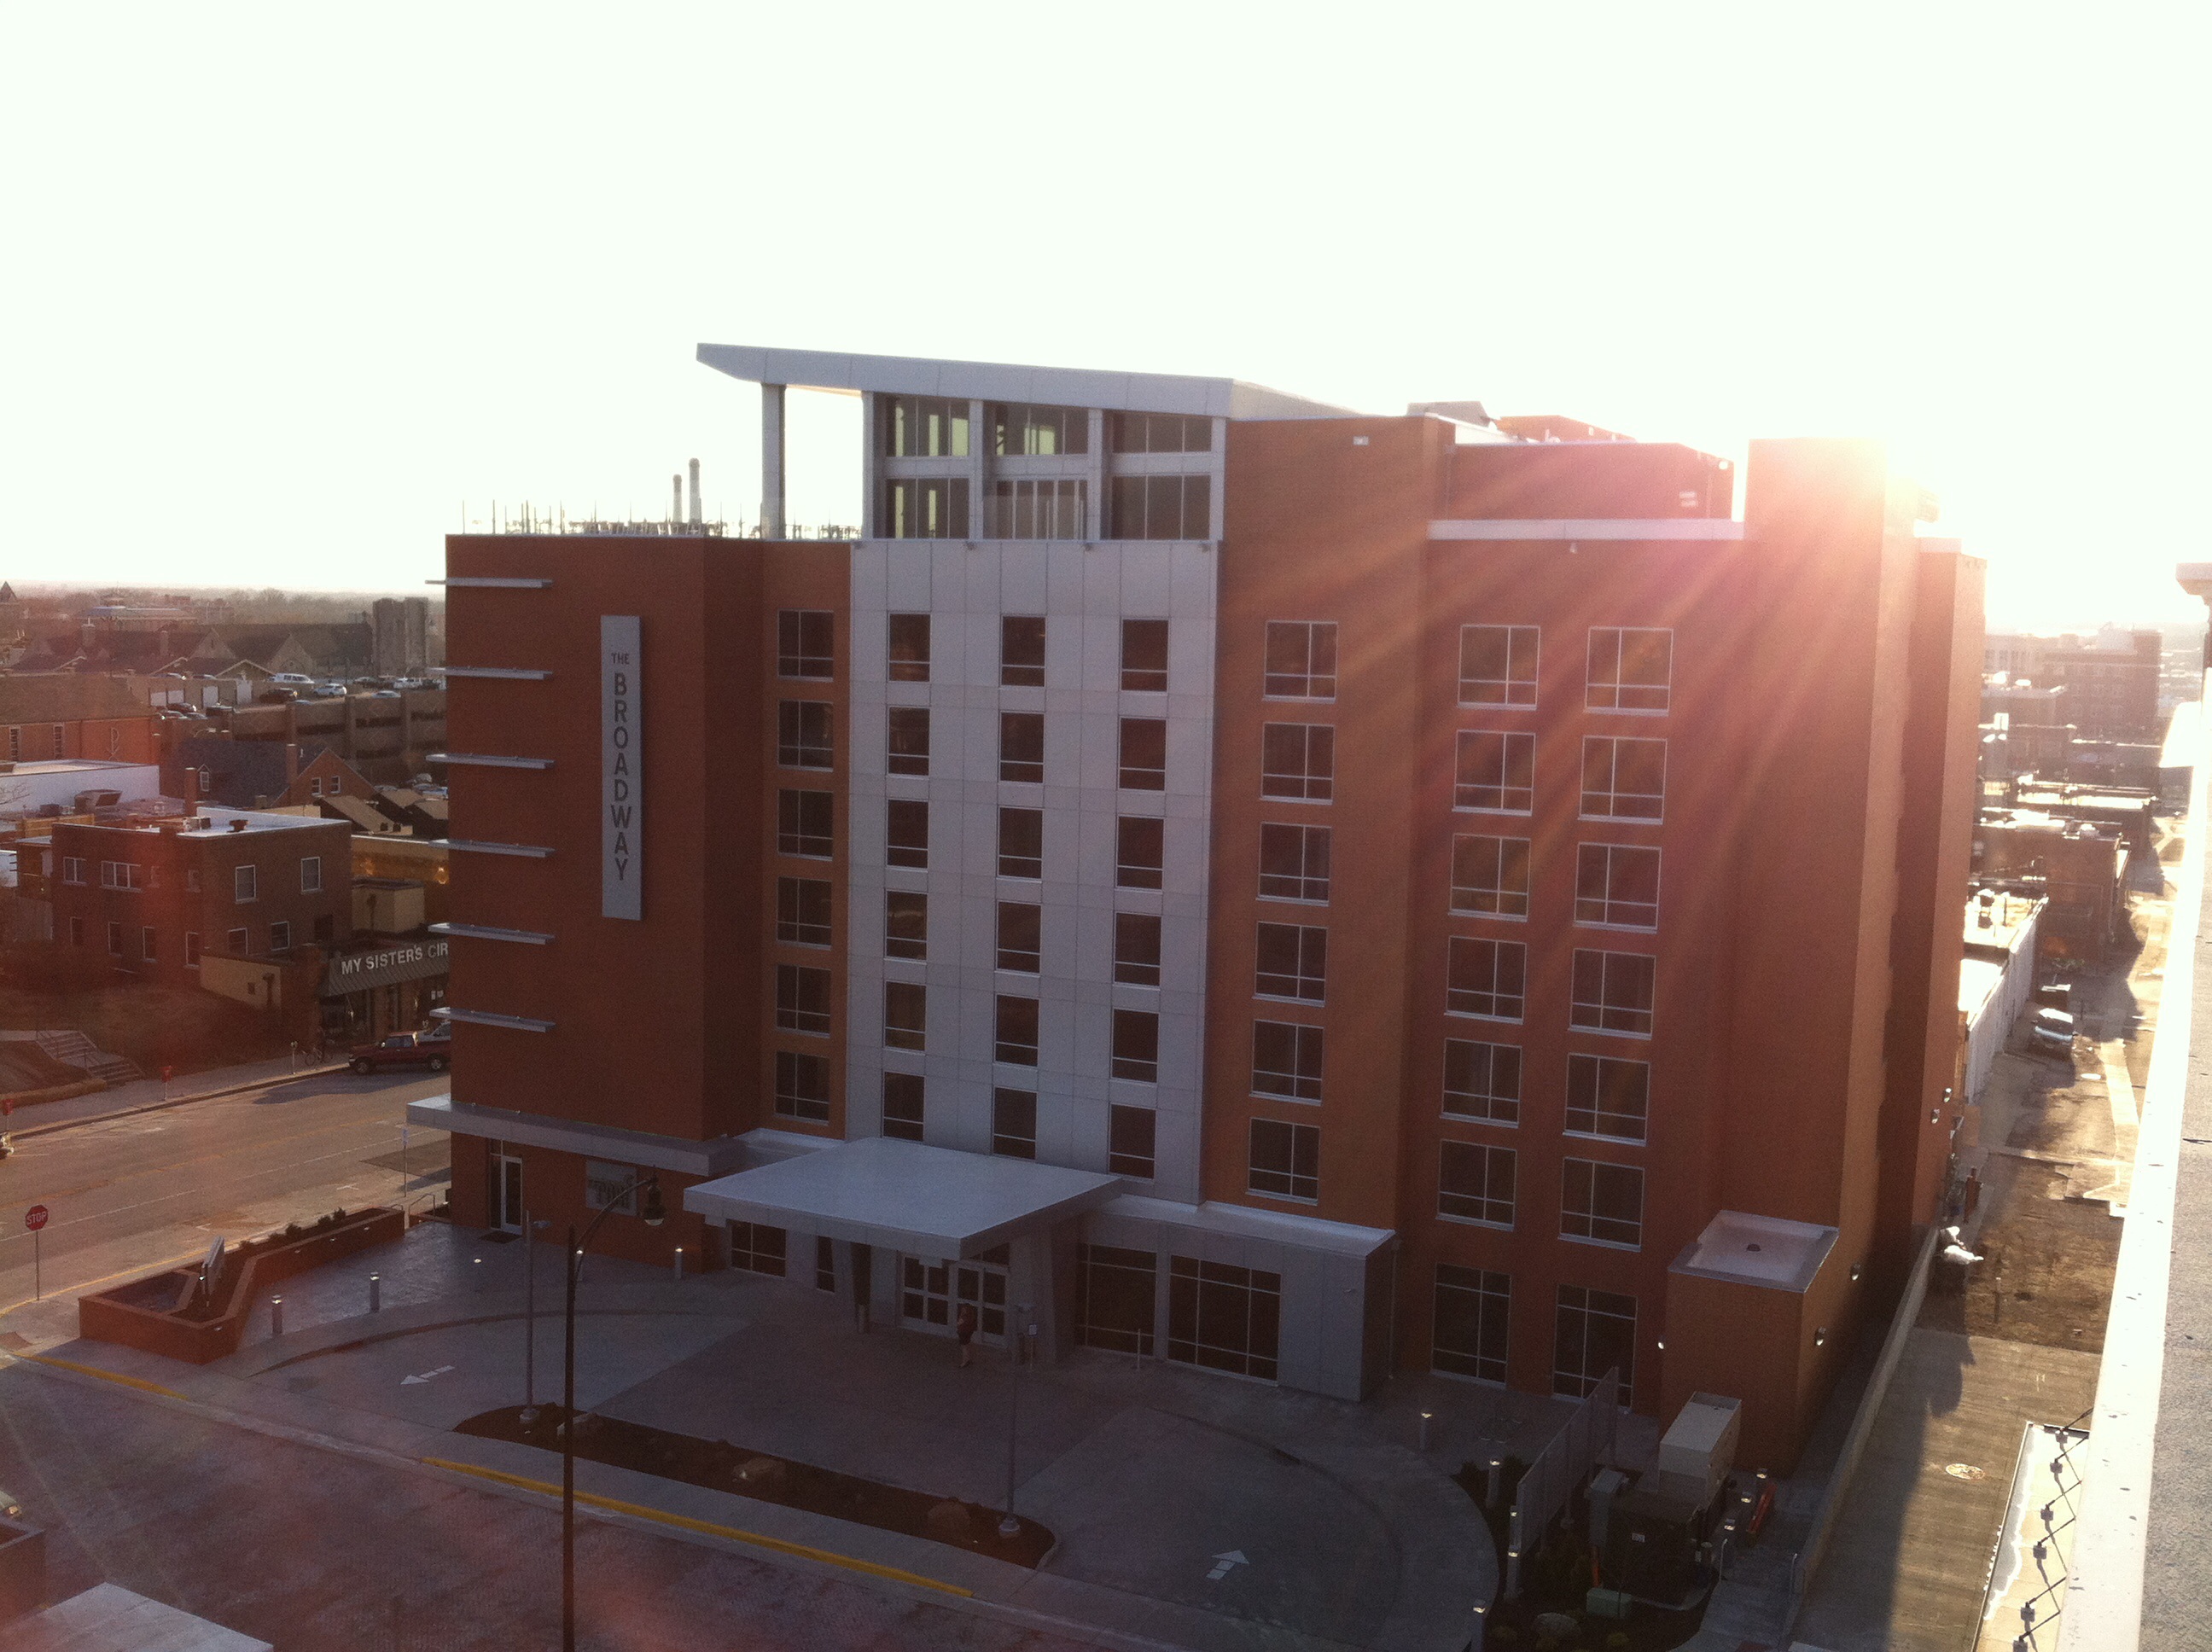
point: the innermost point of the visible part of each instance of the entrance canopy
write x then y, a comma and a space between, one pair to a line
926, 1201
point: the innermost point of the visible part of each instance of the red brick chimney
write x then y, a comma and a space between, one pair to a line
291, 761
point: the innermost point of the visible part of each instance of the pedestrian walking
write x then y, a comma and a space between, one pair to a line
963, 1327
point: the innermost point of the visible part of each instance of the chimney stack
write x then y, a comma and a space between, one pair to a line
291, 761
676, 498
697, 520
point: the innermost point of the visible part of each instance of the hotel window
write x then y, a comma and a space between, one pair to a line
1020, 429
1486, 978
311, 874
72, 869
1297, 760
245, 884
1497, 664
803, 642
1129, 1136
906, 833
1294, 863
906, 924
906, 1015
1489, 875
1285, 1160
906, 740
1475, 1183
1137, 1046
148, 947
1021, 842
1144, 754
1021, 746
1623, 779
1631, 669
802, 1086
1021, 650
1613, 992
907, 648
1223, 1318
1594, 1332
1116, 1290
825, 1263
1013, 1123
1301, 660
1497, 772
1042, 508
924, 427
1021, 936
926, 507
902, 1100
802, 733
1616, 885
235, 942
1473, 1311
1161, 433
1286, 1060
1014, 1036
1145, 656
280, 938
1604, 1202
1137, 949
1482, 1081
802, 998
802, 911
192, 949
1293, 961
1140, 844
757, 1248
1607, 1096
1162, 506
610, 1187
802, 823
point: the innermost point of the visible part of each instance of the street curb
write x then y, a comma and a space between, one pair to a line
26, 1133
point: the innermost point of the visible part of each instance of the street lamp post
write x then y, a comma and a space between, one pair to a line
652, 1211
530, 1230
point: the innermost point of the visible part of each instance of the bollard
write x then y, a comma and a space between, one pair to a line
275, 1317
375, 1293
1426, 1417
679, 1264
1497, 1474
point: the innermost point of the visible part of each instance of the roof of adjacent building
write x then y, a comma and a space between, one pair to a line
239, 771
65, 698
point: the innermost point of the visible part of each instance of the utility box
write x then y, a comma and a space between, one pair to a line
1607, 1603
1699, 1448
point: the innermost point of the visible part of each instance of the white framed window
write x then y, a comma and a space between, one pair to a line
1617, 886
333, 787
802, 1086
1294, 863
1482, 1081
1490, 876
1486, 978
280, 937
314, 788
1301, 660
758, 1248
802, 734
245, 884
1607, 1096
1495, 772
72, 869
1601, 1202
805, 643
1594, 1332
1613, 992
1286, 1060
1623, 779
1475, 1183
1631, 668
611, 1187
1285, 1161
192, 949
236, 941
802, 998
1472, 1315
311, 874
1136, 1046
122, 874
1297, 760
1497, 664
1293, 962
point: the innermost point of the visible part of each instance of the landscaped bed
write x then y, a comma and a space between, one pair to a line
722, 1466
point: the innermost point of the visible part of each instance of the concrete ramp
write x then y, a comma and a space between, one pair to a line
112, 1620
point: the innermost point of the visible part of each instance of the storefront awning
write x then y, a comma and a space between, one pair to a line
926, 1201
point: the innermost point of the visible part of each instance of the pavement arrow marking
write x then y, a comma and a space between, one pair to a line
1221, 1562
426, 1375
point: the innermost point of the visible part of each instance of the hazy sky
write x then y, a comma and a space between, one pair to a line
281, 286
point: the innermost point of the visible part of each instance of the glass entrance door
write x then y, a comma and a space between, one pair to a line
930, 1294
508, 1216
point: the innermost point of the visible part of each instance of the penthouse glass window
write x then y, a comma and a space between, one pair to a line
1223, 1318
1163, 506
1137, 1046
1616, 885
1594, 1333
1293, 961
1603, 1202
1021, 746
1472, 1315
1023, 429
802, 734
907, 648
1294, 863
805, 644
1040, 509
1161, 433
1145, 656
906, 833
907, 740
1140, 850
802, 998
1486, 978
1624, 778
1137, 949
1015, 1034
906, 924
1130, 1134
1489, 875
1613, 992
1021, 936
1482, 1081
1631, 669
1497, 771
1013, 1123
1116, 1290
1607, 1096
1144, 754
1300, 662
1285, 1161
1497, 664
926, 507
1297, 760
923, 427
1475, 1183
1286, 1059
802, 911
1021, 650
906, 1015
903, 1106
802, 1086
1021, 842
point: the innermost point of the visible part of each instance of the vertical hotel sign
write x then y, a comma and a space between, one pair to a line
622, 820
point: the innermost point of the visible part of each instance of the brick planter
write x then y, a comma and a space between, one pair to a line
22, 1569
151, 1314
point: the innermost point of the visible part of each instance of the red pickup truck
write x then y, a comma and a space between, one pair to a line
431, 1049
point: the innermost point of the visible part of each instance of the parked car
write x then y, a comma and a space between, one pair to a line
431, 1049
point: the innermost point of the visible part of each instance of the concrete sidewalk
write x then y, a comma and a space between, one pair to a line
153, 1092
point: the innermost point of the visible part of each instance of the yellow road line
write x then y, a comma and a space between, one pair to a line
110, 1376
688, 1524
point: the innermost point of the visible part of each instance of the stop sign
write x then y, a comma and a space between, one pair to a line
35, 1218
